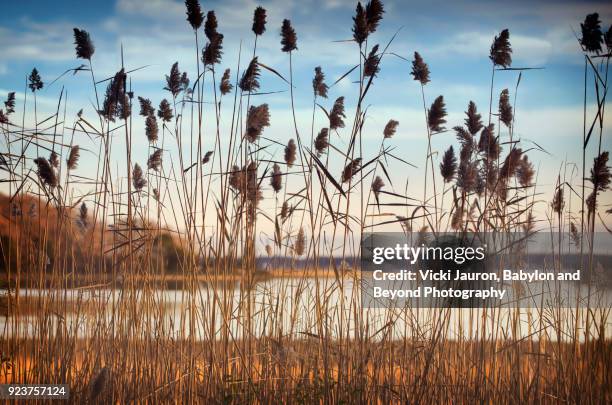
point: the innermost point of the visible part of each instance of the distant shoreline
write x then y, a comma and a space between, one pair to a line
166, 281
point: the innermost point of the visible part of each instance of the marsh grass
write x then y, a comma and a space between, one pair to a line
191, 222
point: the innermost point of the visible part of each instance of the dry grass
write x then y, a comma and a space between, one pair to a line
190, 222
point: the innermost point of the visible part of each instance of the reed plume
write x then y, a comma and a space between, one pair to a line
322, 141
574, 234
276, 180
591, 33
374, 14
84, 47
420, 70
116, 102
505, 109
259, 21
448, 166
225, 86
284, 213
467, 176
206, 157
336, 114
600, 173
351, 169
473, 121
257, 119
299, 247
151, 128
288, 37
155, 160
525, 172
138, 179
9, 104
210, 26
490, 173
318, 83
390, 129
234, 178
371, 65
164, 112
467, 143
45, 172
501, 50
558, 201
146, 109
34, 81
211, 54
290, 152
511, 164
360, 25
377, 185
436, 115
488, 143
83, 221
195, 16
250, 78
54, 159
185, 82
244, 181
173, 81
73, 157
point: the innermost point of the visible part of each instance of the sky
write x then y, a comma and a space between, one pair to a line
453, 37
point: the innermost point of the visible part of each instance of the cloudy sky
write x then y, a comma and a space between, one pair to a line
453, 37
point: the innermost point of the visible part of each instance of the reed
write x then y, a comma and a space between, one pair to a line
168, 280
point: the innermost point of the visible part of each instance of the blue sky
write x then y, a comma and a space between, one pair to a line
453, 37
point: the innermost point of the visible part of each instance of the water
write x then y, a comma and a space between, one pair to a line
287, 306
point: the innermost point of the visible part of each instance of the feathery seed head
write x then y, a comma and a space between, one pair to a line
225, 86
336, 114
360, 25
138, 179
591, 33
259, 21
250, 78
290, 153
257, 119
288, 37
195, 16
501, 50
84, 47
436, 115
73, 157
318, 83
390, 128
448, 166
34, 81
420, 70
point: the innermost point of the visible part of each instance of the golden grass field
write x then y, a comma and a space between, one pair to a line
170, 281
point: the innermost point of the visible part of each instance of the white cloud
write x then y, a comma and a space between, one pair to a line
527, 50
152, 8
39, 42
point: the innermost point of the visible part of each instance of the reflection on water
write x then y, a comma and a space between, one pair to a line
296, 307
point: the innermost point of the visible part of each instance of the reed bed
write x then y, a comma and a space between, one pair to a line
158, 281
